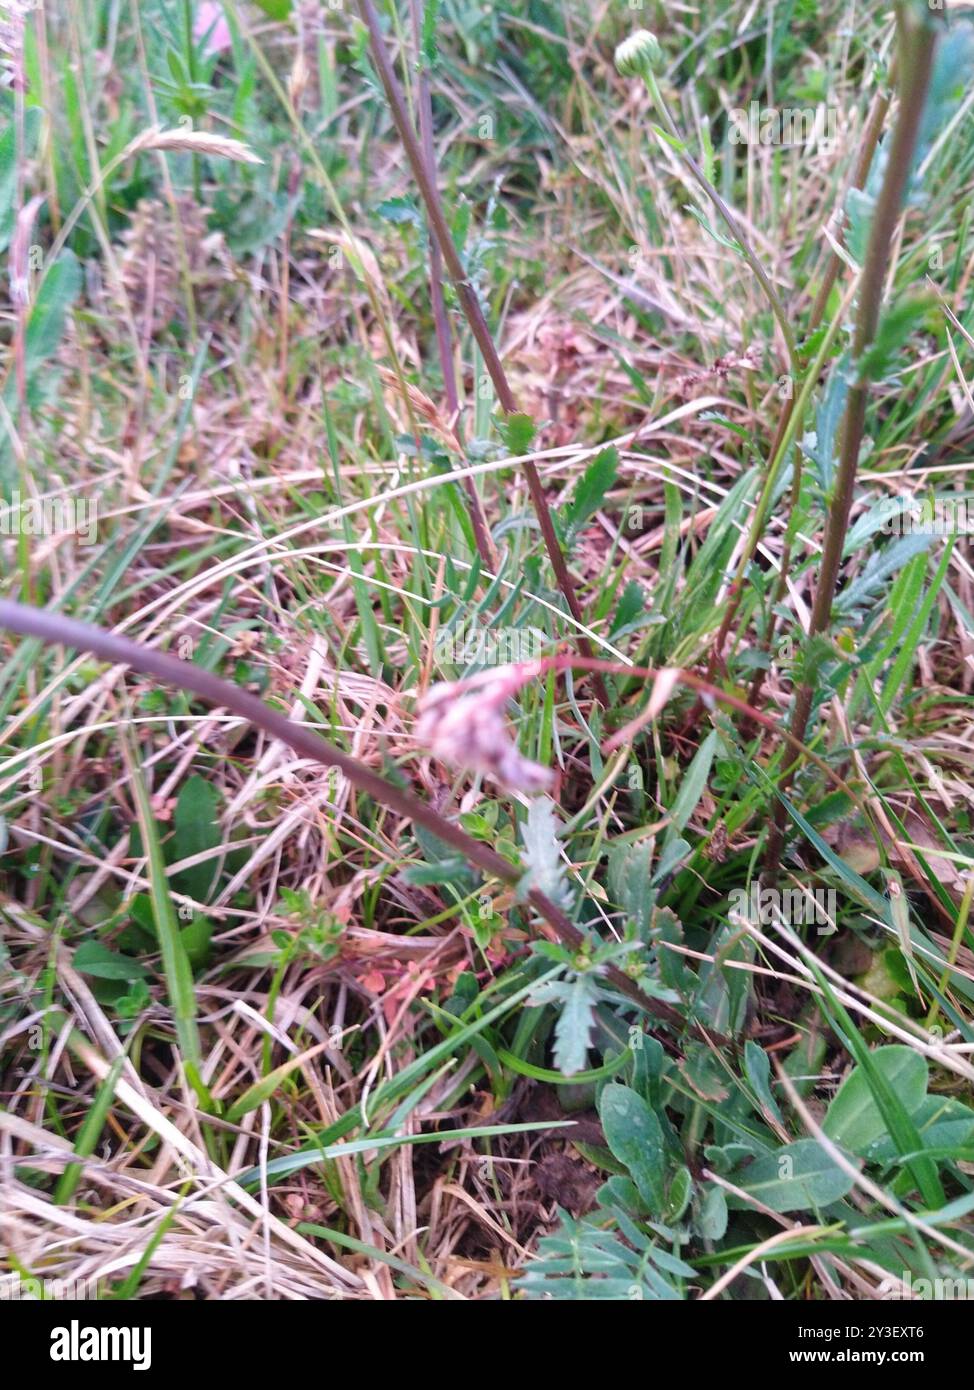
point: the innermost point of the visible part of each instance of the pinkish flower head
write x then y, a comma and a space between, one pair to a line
462, 724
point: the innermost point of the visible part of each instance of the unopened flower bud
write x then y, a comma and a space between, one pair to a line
638, 54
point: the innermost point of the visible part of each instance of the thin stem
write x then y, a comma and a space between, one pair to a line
870, 139
708, 692
57, 630
871, 133
444, 340
788, 427
916, 45
873, 128
470, 304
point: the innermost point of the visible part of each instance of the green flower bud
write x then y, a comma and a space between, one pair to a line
638, 54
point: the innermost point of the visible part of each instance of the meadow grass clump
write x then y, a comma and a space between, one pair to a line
485, 645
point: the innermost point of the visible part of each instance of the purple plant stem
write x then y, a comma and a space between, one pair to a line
57, 630
470, 304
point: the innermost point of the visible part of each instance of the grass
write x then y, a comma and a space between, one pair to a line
294, 1003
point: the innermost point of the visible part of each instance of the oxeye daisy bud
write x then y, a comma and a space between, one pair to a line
638, 54
462, 724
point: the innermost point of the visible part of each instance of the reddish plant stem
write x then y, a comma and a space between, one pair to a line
718, 696
916, 46
444, 340
708, 691
870, 139
56, 629
470, 304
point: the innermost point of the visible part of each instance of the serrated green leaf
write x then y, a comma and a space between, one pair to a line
712, 231
631, 607
819, 445
401, 212
576, 1000
541, 856
590, 493
895, 327
630, 883
517, 431
431, 12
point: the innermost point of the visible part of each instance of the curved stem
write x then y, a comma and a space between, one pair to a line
789, 426
917, 40
470, 304
56, 629
441, 322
